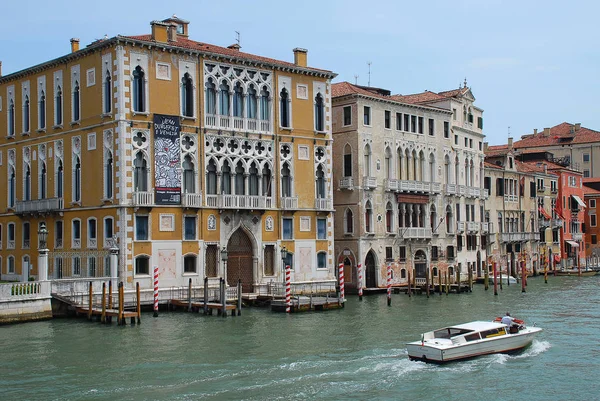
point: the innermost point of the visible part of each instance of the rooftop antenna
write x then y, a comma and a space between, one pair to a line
369, 64
237, 37
509, 131
355, 79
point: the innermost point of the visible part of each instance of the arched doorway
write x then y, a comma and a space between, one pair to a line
420, 264
370, 271
240, 261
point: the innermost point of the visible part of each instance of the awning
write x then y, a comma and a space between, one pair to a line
557, 258
578, 200
545, 213
573, 244
409, 198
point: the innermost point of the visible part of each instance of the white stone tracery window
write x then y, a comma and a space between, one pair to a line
187, 96
11, 118
319, 113
284, 108
107, 93
369, 218
367, 160
108, 165
139, 90
347, 161
26, 174
26, 113
42, 172
76, 170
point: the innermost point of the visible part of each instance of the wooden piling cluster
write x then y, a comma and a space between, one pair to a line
104, 312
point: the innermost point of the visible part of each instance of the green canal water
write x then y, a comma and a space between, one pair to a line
356, 353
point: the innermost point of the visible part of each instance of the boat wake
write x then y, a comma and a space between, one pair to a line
537, 347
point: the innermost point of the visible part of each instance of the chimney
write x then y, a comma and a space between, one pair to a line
534, 131
572, 130
577, 126
74, 45
546, 132
235, 47
510, 141
159, 31
300, 57
545, 168
485, 147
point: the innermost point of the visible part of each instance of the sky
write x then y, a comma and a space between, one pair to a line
530, 64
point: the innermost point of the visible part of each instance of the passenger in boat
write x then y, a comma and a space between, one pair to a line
511, 326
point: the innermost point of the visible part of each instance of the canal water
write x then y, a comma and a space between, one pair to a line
356, 353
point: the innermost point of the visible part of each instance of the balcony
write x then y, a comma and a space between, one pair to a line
419, 186
542, 222
557, 222
469, 192
143, 198
460, 227
391, 185
218, 121
511, 198
485, 193
369, 182
190, 200
250, 202
289, 203
323, 204
577, 236
554, 191
415, 232
519, 237
472, 226
92, 243
347, 183
39, 206
450, 189
485, 227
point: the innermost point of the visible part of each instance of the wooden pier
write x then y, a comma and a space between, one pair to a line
306, 304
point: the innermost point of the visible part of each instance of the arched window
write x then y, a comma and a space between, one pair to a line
92, 233
286, 181
189, 178
389, 218
470, 116
433, 219
348, 222
224, 98
11, 118
42, 111
449, 226
187, 96
76, 105
321, 260
107, 92
264, 104
320, 182
60, 180
435, 272
347, 161
12, 187
11, 264
26, 114
446, 170
43, 180
252, 102
140, 173
403, 273
284, 108
58, 106
77, 180
211, 178
471, 174
226, 178
253, 180
456, 170
27, 183
238, 100
211, 97
108, 175
240, 180
266, 181
319, 113
367, 160
432, 168
399, 164
139, 89
388, 164
368, 218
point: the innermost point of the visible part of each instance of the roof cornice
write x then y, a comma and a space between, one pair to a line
390, 101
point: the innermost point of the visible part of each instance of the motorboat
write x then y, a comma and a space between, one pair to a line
576, 272
470, 340
504, 280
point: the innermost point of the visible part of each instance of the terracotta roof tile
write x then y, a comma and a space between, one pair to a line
492, 165
429, 96
205, 47
559, 134
590, 191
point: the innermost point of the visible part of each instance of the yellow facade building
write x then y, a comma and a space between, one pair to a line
198, 159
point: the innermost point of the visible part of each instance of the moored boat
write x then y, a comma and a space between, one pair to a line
575, 272
470, 340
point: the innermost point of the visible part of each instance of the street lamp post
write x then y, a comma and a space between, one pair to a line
114, 259
224, 258
284, 255
43, 252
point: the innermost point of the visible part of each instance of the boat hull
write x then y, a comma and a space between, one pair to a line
576, 273
443, 353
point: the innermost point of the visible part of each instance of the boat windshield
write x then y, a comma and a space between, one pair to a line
449, 332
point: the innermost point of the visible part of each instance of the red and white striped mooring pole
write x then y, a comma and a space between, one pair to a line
360, 282
389, 284
341, 278
155, 291
288, 289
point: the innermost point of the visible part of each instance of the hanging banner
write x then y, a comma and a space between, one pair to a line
167, 164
